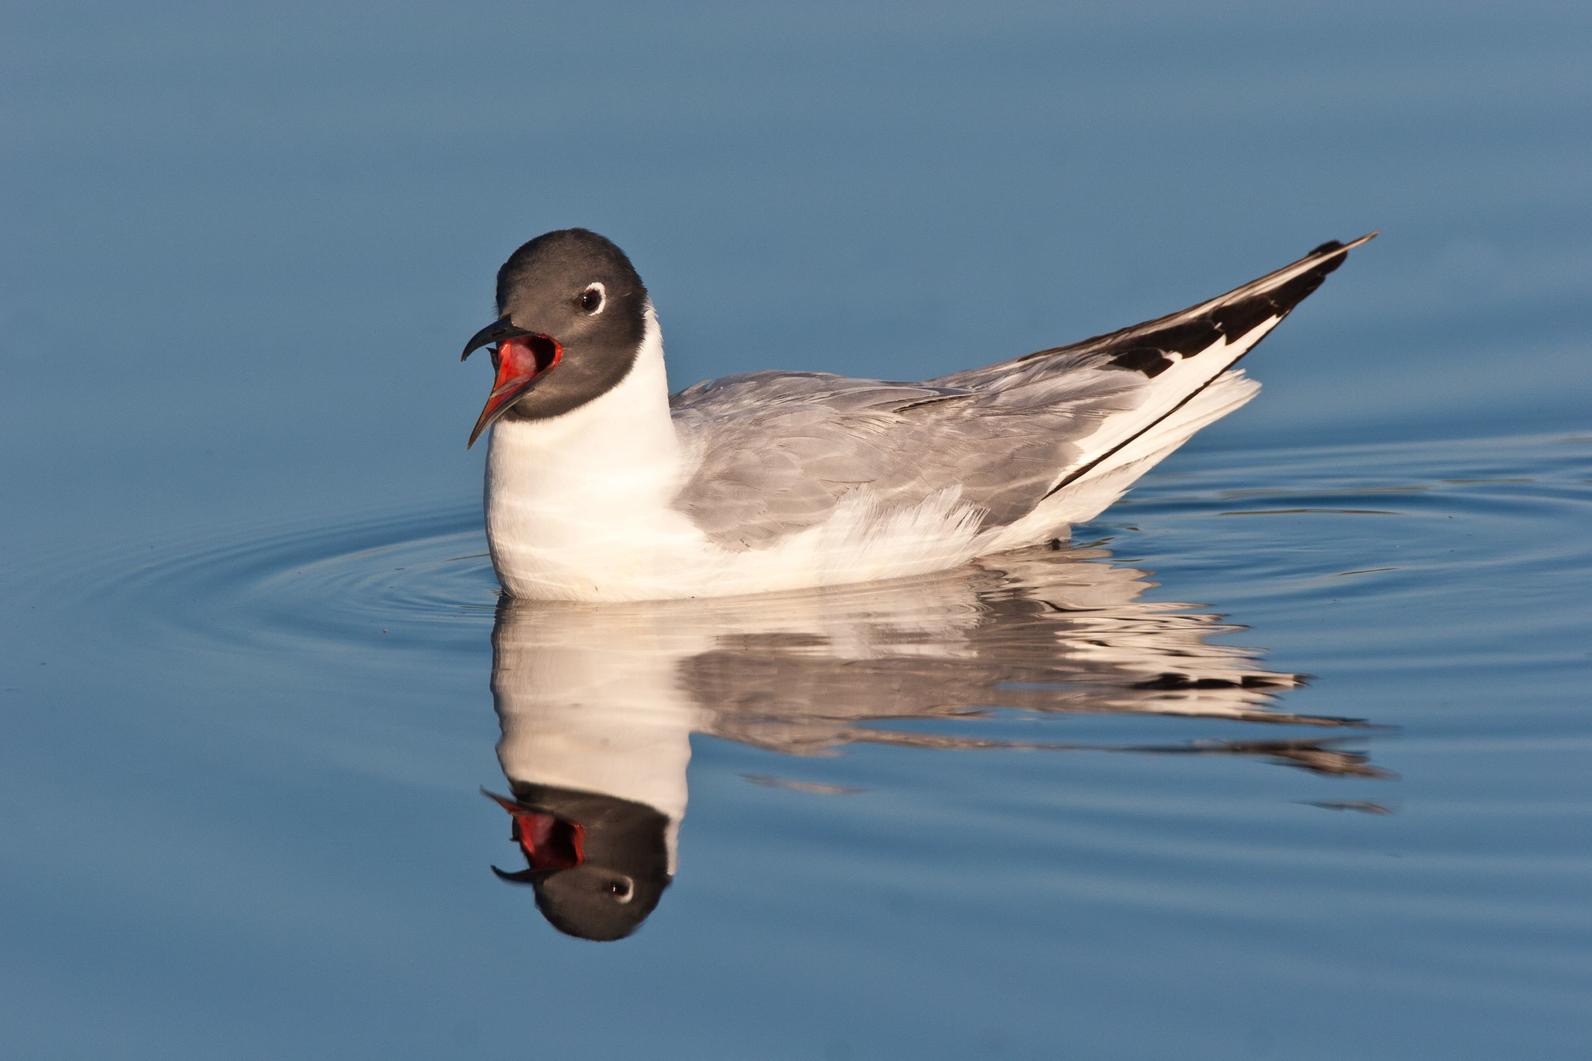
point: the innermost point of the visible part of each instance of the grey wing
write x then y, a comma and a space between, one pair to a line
776, 452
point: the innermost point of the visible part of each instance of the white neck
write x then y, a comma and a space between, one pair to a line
564, 495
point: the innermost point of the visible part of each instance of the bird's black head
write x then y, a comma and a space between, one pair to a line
571, 318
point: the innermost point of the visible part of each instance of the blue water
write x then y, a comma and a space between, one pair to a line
1285, 755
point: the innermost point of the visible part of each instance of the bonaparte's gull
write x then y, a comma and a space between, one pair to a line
600, 485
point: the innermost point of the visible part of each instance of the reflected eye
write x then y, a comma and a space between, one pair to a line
620, 889
591, 299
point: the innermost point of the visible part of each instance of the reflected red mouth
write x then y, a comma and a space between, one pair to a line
547, 841
520, 362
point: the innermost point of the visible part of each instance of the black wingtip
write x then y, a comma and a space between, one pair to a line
1334, 253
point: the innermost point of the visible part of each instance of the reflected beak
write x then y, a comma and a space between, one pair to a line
520, 357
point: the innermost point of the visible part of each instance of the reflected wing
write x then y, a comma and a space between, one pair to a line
603, 699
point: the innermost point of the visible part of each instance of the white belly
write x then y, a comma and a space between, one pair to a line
586, 551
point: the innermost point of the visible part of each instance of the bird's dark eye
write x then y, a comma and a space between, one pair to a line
620, 889
591, 299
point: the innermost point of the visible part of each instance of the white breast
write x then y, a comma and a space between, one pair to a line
577, 506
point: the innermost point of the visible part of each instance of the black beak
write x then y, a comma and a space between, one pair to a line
496, 332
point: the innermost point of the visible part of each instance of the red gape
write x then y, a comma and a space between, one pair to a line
519, 361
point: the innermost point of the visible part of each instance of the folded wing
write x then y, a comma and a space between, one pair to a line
776, 452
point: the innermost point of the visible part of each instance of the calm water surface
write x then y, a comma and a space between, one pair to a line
1289, 754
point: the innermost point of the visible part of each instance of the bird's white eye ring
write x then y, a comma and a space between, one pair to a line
593, 298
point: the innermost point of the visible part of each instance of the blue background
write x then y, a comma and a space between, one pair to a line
242, 247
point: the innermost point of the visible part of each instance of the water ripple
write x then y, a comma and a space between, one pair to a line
423, 577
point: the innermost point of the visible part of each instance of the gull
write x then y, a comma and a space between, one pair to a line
602, 486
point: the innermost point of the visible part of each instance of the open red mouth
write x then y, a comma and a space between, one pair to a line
520, 361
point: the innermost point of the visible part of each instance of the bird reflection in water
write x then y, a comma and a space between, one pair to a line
597, 703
